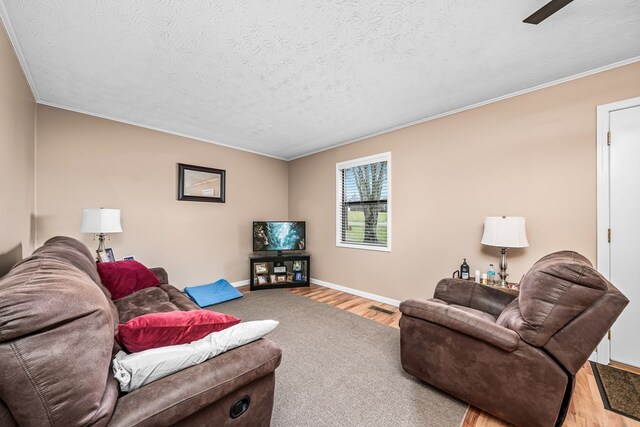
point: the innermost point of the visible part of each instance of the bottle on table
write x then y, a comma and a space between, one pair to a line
464, 270
491, 275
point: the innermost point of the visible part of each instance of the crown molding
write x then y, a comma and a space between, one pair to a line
479, 104
13, 39
157, 129
4, 17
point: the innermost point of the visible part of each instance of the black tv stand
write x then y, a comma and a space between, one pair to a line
276, 270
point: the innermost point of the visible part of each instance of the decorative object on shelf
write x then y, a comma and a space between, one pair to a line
504, 232
273, 278
279, 269
103, 257
297, 266
262, 280
261, 268
102, 222
109, 253
298, 276
289, 277
281, 278
200, 184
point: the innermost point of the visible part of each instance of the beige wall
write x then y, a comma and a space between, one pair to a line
17, 139
84, 161
533, 155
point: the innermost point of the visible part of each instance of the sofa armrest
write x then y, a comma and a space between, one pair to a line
463, 322
161, 274
170, 399
473, 295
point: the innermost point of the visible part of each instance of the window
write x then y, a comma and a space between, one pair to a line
363, 210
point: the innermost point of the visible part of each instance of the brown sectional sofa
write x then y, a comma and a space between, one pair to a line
515, 358
57, 324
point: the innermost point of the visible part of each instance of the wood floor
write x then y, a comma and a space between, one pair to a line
586, 408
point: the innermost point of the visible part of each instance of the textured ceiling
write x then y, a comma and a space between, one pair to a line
291, 77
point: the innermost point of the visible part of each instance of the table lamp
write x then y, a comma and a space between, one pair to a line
100, 221
504, 232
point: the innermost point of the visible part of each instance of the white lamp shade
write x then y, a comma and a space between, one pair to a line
505, 232
100, 220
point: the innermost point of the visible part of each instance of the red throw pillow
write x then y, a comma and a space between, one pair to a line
125, 277
171, 328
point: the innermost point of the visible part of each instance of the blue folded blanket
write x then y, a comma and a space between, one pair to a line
213, 293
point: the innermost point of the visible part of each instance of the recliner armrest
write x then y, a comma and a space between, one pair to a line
463, 322
170, 399
473, 295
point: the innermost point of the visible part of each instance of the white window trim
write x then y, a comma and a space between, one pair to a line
359, 162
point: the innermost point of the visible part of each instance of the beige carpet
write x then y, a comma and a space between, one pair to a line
340, 369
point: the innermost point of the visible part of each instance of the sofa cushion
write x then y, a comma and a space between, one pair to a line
56, 337
179, 299
144, 301
161, 299
74, 252
122, 278
173, 328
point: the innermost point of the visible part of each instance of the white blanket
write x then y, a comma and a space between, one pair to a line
137, 369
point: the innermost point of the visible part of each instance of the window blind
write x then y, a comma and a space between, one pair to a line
363, 211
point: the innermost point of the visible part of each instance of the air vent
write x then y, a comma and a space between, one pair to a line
381, 310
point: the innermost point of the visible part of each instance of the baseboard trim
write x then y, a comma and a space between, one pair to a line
244, 282
356, 292
341, 288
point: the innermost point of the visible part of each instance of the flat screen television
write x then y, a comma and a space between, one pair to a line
278, 236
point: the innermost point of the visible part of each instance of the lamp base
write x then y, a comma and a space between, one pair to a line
503, 268
101, 238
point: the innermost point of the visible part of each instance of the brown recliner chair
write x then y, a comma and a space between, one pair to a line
515, 358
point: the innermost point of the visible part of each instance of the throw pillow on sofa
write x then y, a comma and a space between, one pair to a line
135, 370
125, 277
171, 328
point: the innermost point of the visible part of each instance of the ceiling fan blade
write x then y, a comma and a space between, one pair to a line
546, 11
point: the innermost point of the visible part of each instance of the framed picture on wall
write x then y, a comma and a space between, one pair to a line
200, 184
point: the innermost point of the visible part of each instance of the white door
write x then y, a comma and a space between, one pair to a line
624, 250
